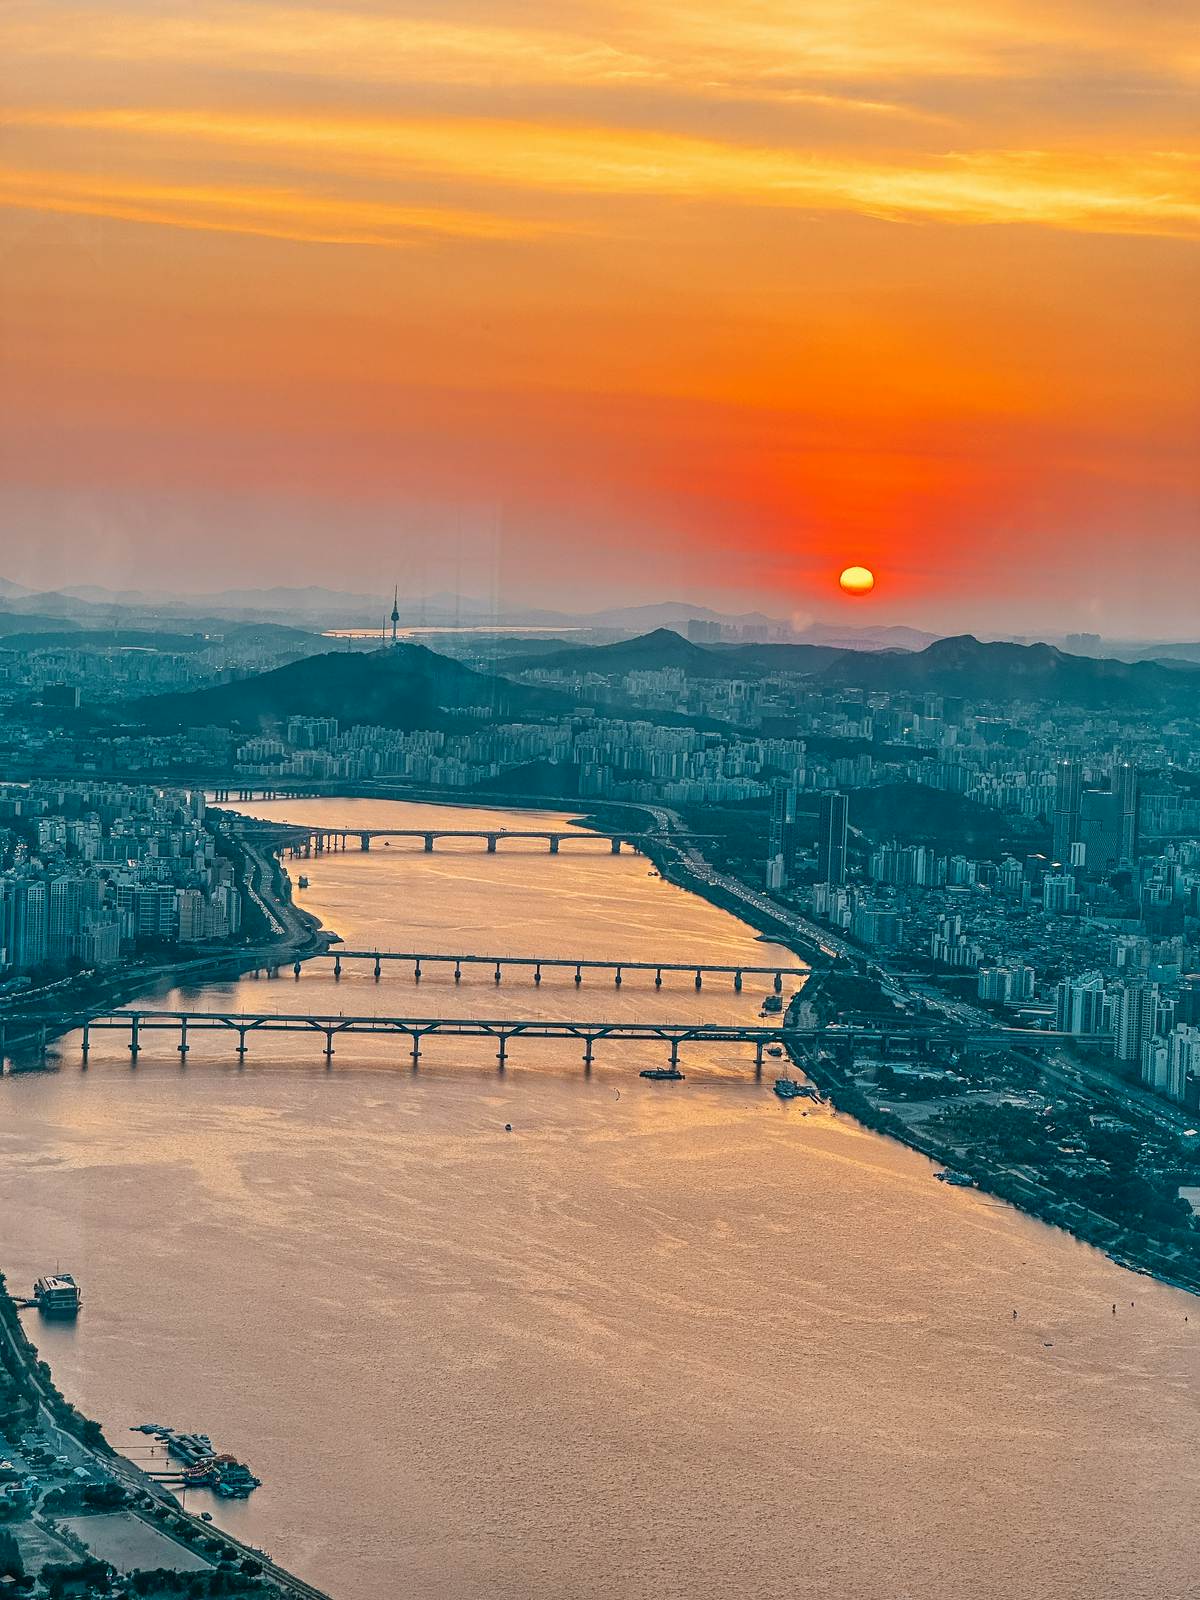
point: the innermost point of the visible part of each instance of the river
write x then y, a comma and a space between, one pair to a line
662, 1340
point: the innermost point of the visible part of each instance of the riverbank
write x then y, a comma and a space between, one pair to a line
28, 1024
75, 1483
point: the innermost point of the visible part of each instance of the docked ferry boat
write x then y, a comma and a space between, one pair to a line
58, 1296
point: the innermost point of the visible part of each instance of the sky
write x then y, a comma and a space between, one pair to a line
609, 301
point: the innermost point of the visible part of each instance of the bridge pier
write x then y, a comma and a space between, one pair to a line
779, 983
296, 970
737, 982
617, 977
658, 979
578, 974
758, 1056
502, 1053
587, 1052
241, 1044
183, 1039
429, 844
458, 972
553, 844
85, 1045
364, 841
328, 1043
497, 973
491, 844
537, 973
674, 1052
134, 1043
417, 972
699, 979
616, 847
337, 966
378, 969
416, 1048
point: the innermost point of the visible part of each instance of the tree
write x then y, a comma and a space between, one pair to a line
11, 1565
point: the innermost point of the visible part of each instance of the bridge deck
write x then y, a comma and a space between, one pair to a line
357, 831
467, 1027
619, 964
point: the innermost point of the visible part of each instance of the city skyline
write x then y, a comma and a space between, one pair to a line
717, 305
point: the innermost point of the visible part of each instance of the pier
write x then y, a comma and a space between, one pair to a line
378, 960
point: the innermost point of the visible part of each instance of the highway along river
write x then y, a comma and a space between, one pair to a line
661, 1340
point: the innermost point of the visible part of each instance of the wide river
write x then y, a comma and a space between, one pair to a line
663, 1341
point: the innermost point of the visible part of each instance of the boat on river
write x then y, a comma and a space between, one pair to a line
203, 1466
57, 1296
661, 1074
789, 1089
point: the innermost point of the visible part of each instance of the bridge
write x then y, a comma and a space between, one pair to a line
887, 1037
182, 1025
223, 793
419, 961
302, 840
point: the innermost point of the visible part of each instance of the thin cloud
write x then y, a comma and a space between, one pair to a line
1153, 193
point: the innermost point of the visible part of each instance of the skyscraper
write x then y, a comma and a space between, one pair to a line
1067, 795
779, 827
783, 812
1125, 782
831, 839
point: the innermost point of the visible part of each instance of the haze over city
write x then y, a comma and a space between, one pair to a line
609, 303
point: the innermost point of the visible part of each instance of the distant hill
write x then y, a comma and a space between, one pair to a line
1008, 672
651, 652
894, 636
24, 622
16, 634
920, 815
406, 687
759, 660
79, 638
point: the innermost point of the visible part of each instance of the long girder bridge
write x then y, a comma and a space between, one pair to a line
245, 1026
305, 841
378, 960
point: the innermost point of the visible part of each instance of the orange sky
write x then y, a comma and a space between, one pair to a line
605, 301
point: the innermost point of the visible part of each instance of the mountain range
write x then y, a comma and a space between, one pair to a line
959, 666
410, 687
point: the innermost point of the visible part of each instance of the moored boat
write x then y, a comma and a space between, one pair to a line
58, 1296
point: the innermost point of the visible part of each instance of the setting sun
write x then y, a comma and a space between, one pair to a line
857, 580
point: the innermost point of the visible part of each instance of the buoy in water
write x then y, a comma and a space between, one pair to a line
508, 1127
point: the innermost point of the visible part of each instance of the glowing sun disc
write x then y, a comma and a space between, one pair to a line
857, 580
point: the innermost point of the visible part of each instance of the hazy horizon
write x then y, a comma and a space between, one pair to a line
288, 600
